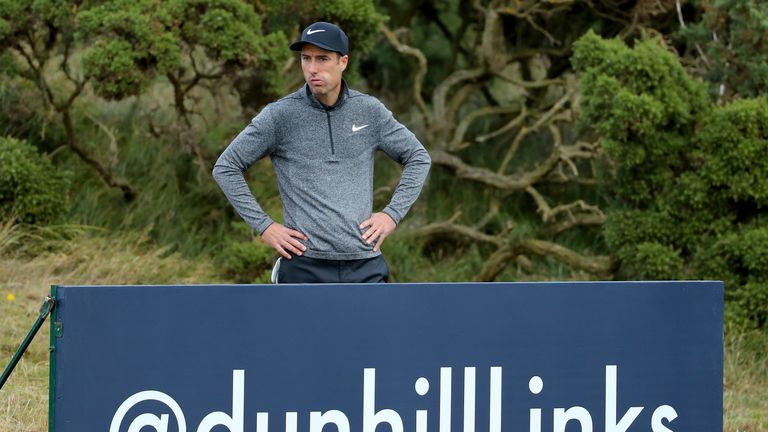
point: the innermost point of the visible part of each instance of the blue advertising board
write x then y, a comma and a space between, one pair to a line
459, 357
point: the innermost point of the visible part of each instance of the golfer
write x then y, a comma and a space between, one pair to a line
322, 140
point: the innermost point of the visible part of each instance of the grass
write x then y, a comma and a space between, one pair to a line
87, 258
746, 381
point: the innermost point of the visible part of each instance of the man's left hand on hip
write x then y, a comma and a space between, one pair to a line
380, 225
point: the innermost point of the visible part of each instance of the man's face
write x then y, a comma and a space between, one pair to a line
322, 71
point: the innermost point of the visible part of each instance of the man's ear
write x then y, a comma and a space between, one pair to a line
343, 61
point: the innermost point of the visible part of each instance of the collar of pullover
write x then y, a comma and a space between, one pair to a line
317, 104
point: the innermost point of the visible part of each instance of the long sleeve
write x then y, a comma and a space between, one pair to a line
255, 142
402, 146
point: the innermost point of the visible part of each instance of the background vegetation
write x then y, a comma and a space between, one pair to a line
571, 139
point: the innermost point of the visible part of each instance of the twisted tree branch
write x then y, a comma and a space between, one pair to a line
418, 80
36, 62
457, 142
508, 249
547, 118
451, 229
548, 213
515, 122
600, 264
129, 193
112, 141
449, 133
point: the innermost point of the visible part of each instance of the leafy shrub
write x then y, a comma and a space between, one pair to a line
246, 261
627, 228
31, 189
687, 177
748, 305
740, 259
651, 261
734, 142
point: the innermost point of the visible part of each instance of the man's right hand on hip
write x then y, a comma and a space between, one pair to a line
284, 240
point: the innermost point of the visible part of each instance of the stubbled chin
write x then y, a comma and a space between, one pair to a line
317, 90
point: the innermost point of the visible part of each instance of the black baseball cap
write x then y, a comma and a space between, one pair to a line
324, 35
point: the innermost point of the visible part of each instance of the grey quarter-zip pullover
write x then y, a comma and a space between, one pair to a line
323, 158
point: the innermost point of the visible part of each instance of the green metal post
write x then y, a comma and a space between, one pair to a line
52, 365
45, 309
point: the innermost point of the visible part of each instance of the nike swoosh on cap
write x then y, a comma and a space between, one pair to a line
357, 128
310, 31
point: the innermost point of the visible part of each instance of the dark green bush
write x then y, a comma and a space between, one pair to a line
734, 145
651, 261
740, 260
688, 178
627, 228
748, 305
31, 189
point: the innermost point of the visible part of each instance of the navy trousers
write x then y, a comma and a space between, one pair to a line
301, 269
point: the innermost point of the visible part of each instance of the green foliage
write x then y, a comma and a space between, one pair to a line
31, 190
625, 228
359, 19
20, 19
133, 41
740, 259
30, 34
246, 261
272, 58
8, 66
176, 208
748, 305
228, 29
688, 178
646, 109
733, 143
651, 261
23, 116
635, 92
733, 35
112, 65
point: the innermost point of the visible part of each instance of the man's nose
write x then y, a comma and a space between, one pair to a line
312, 66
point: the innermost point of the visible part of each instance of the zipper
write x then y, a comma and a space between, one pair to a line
330, 131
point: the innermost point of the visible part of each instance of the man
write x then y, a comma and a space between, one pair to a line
322, 140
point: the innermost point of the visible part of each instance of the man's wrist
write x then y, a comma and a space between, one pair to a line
392, 215
269, 224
